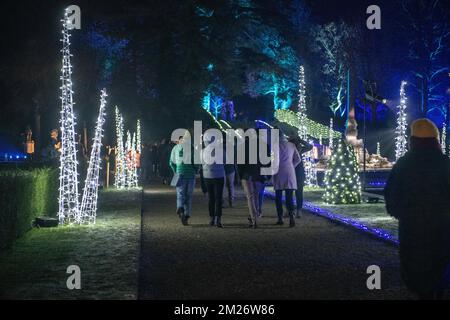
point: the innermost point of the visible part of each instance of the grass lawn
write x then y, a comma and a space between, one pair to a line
107, 254
370, 214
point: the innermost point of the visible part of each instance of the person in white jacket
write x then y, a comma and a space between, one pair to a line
285, 179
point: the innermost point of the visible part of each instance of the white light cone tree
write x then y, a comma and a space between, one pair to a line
120, 172
138, 137
401, 142
308, 161
68, 211
90, 193
129, 161
134, 177
444, 139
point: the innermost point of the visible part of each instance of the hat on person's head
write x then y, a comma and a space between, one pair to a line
424, 128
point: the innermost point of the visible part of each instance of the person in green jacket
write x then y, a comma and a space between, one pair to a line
186, 181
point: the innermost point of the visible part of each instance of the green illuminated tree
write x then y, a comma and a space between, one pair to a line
342, 184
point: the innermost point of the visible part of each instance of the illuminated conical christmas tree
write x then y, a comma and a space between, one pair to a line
308, 160
342, 183
68, 178
130, 177
134, 177
138, 137
90, 193
120, 175
401, 141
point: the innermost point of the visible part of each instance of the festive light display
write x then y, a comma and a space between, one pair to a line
401, 141
88, 208
444, 138
68, 178
342, 183
315, 129
138, 137
128, 162
134, 177
331, 134
120, 174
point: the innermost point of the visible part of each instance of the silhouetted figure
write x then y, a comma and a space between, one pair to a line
213, 178
253, 184
418, 195
302, 147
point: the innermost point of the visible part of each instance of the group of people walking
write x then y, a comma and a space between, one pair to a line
218, 177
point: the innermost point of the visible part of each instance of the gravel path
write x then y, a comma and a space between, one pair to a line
316, 260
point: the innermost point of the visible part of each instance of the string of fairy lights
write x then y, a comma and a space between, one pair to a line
315, 129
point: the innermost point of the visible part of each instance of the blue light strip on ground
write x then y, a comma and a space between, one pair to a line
379, 233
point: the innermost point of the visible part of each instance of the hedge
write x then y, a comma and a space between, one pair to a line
25, 195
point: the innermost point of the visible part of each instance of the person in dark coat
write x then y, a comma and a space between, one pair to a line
418, 195
302, 147
252, 182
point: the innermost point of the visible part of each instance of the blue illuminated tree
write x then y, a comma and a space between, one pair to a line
428, 32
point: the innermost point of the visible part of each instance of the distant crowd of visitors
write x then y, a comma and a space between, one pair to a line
218, 180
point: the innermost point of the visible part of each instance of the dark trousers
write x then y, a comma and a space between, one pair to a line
299, 195
289, 202
214, 188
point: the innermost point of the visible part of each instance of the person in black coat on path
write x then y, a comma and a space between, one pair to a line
418, 195
302, 147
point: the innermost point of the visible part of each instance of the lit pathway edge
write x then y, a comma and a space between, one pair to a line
314, 209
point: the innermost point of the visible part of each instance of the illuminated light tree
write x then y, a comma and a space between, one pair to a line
88, 208
131, 175
128, 177
308, 160
68, 211
330, 136
138, 137
120, 172
301, 112
444, 138
134, 177
342, 183
401, 141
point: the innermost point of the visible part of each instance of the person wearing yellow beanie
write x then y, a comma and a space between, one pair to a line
418, 195
424, 134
